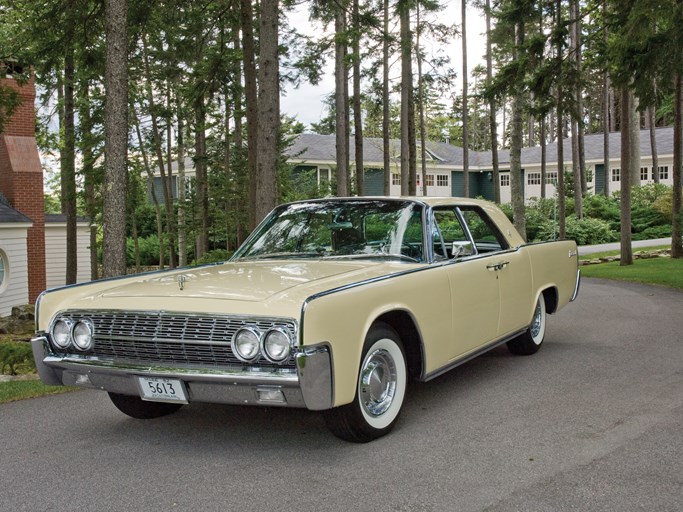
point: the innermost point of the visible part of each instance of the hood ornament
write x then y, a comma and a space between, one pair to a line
181, 282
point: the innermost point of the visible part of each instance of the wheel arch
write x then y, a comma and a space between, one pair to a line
406, 327
550, 296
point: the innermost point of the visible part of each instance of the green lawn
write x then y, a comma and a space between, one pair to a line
660, 271
21, 389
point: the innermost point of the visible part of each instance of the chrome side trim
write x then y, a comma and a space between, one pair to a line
576, 286
314, 367
468, 357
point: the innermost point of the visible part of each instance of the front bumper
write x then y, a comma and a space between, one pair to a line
310, 386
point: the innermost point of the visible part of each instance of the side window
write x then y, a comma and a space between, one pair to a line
487, 237
450, 237
449, 225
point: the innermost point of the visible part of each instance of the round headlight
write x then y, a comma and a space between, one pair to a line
245, 344
61, 333
277, 345
82, 335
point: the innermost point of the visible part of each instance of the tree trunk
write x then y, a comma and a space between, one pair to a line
575, 118
357, 113
116, 136
677, 213
576, 172
268, 110
560, 132
465, 113
634, 145
493, 125
182, 227
579, 103
406, 88
412, 143
69, 169
386, 148
421, 110
251, 99
606, 112
544, 152
626, 175
202, 184
339, 101
516, 180
240, 190
653, 143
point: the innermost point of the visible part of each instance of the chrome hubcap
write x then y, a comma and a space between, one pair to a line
536, 324
377, 382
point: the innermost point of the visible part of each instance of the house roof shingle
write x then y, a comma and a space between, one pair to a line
9, 215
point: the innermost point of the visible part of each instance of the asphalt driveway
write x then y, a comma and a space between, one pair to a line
592, 422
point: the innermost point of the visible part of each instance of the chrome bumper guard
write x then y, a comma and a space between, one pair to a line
576, 286
310, 386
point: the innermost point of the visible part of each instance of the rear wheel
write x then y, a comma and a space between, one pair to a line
380, 390
136, 407
530, 342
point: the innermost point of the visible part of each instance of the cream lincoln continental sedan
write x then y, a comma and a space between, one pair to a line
331, 305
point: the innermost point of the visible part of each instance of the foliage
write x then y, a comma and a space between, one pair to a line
52, 204
9, 102
149, 251
16, 357
601, 207
586, 231
213, 256
541, 221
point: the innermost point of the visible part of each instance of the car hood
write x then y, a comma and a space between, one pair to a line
248, 281
260, 288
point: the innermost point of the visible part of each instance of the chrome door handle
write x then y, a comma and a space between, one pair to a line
494, 267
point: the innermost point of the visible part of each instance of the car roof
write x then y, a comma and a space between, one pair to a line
430, 201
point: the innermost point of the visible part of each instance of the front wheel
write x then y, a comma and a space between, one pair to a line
530, 342
140, 409
380, 390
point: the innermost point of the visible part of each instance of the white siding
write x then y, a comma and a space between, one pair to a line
15, 291
55, 254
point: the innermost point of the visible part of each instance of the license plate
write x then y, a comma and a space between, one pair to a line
157, 389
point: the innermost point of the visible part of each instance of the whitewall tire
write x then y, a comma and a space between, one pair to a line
380, 390
530, 342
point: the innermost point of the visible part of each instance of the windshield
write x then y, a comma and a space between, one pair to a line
340, 229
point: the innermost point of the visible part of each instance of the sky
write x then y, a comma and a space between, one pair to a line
306, 102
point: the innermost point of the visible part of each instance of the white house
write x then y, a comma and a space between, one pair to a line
13, 258
55, 249
444, 164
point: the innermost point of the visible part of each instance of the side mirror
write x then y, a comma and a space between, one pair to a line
462, 249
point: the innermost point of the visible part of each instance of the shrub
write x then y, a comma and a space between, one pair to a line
14, 356
149, 251
605, 208
648, 194
653, 232
586, 231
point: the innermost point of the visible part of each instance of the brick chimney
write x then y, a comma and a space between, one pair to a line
21, 178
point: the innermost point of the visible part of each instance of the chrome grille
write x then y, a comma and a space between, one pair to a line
172, 338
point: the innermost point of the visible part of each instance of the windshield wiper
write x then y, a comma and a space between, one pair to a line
283, 255
401, 257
